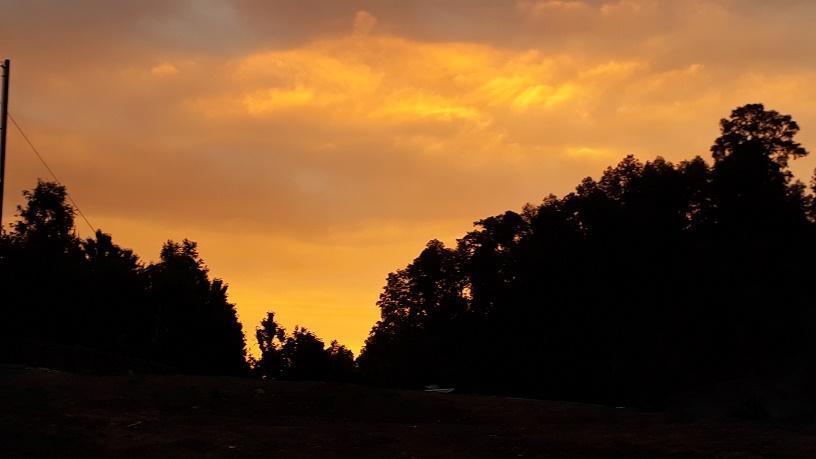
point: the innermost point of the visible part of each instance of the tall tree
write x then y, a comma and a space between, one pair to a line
46, 220
271, 337
197, 328
653, 278
43, 268
304, 356
772, 133
60, 290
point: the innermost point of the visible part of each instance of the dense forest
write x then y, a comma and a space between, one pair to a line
651, 279
654, 278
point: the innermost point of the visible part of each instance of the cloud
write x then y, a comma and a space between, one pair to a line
164, 70
364, 22
545, 7
313, 146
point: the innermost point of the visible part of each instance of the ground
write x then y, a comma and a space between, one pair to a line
45, 413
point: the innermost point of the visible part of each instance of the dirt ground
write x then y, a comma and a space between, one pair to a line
52, 414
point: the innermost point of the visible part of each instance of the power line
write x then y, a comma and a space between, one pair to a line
51, 171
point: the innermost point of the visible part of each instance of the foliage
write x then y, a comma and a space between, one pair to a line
61, 290
300, 355
651, 279
772, 132
654, 278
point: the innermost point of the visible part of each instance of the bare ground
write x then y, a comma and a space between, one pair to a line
52, 414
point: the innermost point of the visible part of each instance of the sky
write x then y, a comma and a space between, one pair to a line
312, 147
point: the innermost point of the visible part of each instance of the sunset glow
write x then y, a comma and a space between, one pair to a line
311, 148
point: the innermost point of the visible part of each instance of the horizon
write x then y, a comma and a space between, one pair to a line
312, 151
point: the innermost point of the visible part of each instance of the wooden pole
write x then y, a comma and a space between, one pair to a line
3, 132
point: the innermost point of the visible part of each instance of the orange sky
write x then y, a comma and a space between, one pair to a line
312, 147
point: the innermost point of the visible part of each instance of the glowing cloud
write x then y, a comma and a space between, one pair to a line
312, 147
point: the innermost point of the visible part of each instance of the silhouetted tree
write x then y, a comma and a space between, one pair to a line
341, 362
304, 356
300, 355
772, 133
653, 278
47, 220
43, 266
120, 317
417, 306
271, 337
63, 291
196, 328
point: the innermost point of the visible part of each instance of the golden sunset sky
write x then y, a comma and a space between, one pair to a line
311, 147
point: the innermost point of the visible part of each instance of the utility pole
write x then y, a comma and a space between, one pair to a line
3, 131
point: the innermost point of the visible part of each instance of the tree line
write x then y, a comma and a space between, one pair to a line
78, 303
651, 279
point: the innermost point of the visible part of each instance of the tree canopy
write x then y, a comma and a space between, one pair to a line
653, 278
68, 300
650, 279
300, 355
60, 290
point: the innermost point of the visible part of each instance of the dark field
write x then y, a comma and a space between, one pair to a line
46, 413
